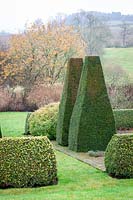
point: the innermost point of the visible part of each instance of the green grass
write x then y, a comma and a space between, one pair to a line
12, 123
77, 181
122, 57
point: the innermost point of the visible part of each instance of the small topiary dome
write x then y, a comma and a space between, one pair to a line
27, 162
44, 120
119, 156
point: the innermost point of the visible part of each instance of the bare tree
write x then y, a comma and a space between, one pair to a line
125, 33
94, 32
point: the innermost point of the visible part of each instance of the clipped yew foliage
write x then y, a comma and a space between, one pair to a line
27, 131
68, 99
44, 121
92, 123
119, 156
27, 162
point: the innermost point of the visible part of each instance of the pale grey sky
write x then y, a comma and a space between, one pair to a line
15, 13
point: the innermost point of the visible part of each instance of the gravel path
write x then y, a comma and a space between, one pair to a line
97, 162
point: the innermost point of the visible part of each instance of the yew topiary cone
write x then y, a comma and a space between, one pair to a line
68, 99
92, 123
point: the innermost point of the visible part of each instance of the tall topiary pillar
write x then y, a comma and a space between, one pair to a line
68, 99
92, 123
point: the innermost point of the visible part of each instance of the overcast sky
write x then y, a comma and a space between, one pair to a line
15, 13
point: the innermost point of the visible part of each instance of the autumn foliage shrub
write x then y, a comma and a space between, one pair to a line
5, 99
43, 121
13, 99
42, 95
27, 162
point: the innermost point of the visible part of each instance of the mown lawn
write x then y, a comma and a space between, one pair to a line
122, 57
12, 123
77, 181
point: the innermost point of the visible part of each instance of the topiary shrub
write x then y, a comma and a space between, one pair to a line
119, 156
27, 131
68, 99
123, 118
92, 122
43, 121
27, 162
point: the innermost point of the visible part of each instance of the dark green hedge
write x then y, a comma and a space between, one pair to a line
119, 156
27, 162
123, 118
92, 123
68, 99
27, 131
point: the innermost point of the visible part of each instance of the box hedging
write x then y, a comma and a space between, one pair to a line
68, 99
119, 156
44, 121
123, 118
92, 122
27, 162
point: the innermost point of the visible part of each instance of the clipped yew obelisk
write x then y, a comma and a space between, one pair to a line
92, 123
68, 99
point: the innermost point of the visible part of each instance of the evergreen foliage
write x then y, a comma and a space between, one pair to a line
123, 118
68, 99
44, 121
27, 162
119, 156
27, 131
92, 123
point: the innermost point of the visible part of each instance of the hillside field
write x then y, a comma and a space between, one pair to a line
119, 57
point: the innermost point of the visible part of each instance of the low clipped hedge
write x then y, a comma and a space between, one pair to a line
27, 162
119, 156
123, 118
44, 121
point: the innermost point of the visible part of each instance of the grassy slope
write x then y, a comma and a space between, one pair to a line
77, 181
122, 57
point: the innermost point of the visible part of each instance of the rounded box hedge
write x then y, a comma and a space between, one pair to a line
119, 156
44, 121
27, 162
